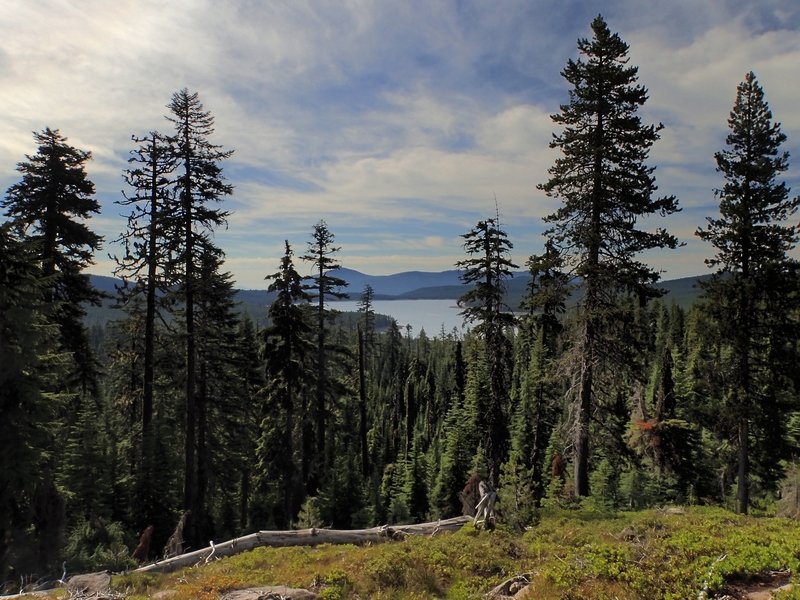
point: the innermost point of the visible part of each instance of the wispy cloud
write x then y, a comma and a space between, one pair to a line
398, 123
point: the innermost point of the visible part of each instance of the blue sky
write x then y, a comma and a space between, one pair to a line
398, 122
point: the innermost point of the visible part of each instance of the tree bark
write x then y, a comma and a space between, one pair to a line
581, 474
362, 404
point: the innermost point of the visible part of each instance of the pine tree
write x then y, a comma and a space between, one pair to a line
243, 439
752, 242
366, 342
536, 407
367, 310
487, 270
606, 187
144, 260
27, 409
200, 183
51, 204
220, 396
287, 344
323, 287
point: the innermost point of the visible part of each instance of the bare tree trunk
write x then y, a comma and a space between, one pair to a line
582, 435
190, 474
362, 395
743, 486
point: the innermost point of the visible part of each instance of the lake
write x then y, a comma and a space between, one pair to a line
430, 315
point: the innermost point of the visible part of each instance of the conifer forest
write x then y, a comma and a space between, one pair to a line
597, 390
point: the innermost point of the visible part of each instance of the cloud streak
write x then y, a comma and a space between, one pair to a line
397, 123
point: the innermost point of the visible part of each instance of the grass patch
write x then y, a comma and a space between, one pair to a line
571, 556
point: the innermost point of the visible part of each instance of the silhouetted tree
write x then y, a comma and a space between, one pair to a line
200, 183
52, 204
323, 287
606, 188
287, 344
756, 276
487, 270
141, 268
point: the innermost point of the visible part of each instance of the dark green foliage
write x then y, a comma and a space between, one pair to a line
606, 187
324, 286
47, 380
51, 204
142, 268
486, 271
85, 472
458, 449
753, 296
461, 437
199, 183
536, 398
27, 409
287, 346
51, 201
352, 422
97, 544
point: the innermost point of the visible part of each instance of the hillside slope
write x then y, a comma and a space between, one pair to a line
674, 553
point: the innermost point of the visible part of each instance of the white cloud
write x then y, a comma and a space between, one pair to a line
399, 123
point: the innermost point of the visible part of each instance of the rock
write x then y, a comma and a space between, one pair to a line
510, 588
274, 592
89, 583
768, 594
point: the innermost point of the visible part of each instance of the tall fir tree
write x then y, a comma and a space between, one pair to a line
52, 204
28, 409
287, 345
199, 185
219, 391
365, 344
756, 277
606, 187
324, 286
243, 438
487, 269
141, 268
536, 407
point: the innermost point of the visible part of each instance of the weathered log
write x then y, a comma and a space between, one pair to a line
302, 537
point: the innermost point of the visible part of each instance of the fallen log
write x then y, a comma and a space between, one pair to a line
301, 537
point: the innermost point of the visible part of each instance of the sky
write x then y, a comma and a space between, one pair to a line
401, 124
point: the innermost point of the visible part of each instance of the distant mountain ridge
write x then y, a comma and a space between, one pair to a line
398, 284
408, 285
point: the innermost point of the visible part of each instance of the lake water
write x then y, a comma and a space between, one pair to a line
430, 315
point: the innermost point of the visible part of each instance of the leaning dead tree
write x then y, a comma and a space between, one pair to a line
302, 537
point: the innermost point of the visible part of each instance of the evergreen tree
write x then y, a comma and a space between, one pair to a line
487, 270
606, 187
220, 397
323, 287
536, 406
752, 242
144, 259
367, 310
200, 183
51, 204
459, 446
243, 438
287, 344
366, 341
27, 409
